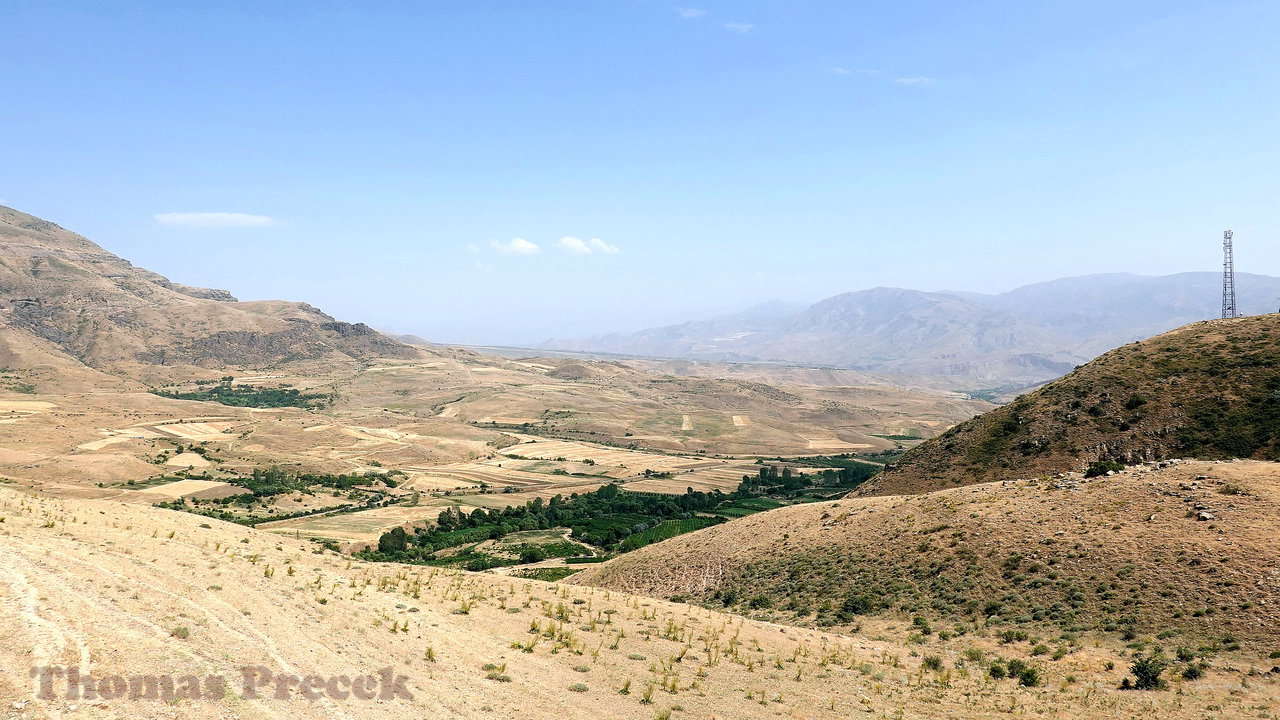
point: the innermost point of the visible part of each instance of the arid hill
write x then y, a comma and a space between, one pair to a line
1207, 390
61, 291
1187, 553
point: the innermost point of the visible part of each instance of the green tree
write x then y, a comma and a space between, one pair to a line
397, 540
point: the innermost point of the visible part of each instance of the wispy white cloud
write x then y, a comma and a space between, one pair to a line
601, 246
573, 245
847, 71
739, 27
214, 220
517, 246
578, 246
690, 13
918, 80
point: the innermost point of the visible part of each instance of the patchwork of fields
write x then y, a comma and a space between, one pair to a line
534, 468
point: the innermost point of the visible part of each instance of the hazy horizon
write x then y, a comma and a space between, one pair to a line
503, 173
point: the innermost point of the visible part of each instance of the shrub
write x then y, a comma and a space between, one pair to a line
1193, 671
853, 606
1147, 670
1029, 677
931, 662
1102, 467
578, 687
180, 632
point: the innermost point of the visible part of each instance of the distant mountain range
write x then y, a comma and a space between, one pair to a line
1021, 337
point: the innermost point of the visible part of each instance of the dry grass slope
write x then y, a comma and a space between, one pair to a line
120, 590
1188, 550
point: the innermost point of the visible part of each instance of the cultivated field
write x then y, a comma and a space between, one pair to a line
363, 526
192, 488
725, 478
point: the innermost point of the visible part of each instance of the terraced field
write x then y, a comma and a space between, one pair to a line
474, 474
632, 460
724, 478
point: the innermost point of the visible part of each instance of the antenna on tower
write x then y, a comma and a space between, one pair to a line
1228, 278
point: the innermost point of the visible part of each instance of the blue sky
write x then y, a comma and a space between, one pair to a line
380, 159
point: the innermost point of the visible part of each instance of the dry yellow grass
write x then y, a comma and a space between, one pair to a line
126, 590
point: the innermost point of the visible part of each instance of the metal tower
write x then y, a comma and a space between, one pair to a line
1228, 278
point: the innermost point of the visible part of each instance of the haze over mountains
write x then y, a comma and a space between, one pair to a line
1025, 336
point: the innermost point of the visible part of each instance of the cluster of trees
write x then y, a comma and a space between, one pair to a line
606, 517
770, 480
227, 393
278, 481
265, 483
601, 518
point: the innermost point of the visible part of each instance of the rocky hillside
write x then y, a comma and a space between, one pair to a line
1207, 390
61, 291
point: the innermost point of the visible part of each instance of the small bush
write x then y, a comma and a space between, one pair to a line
1102, 467
180, 632
922, 625
1146, 672
931, 662
578, 687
